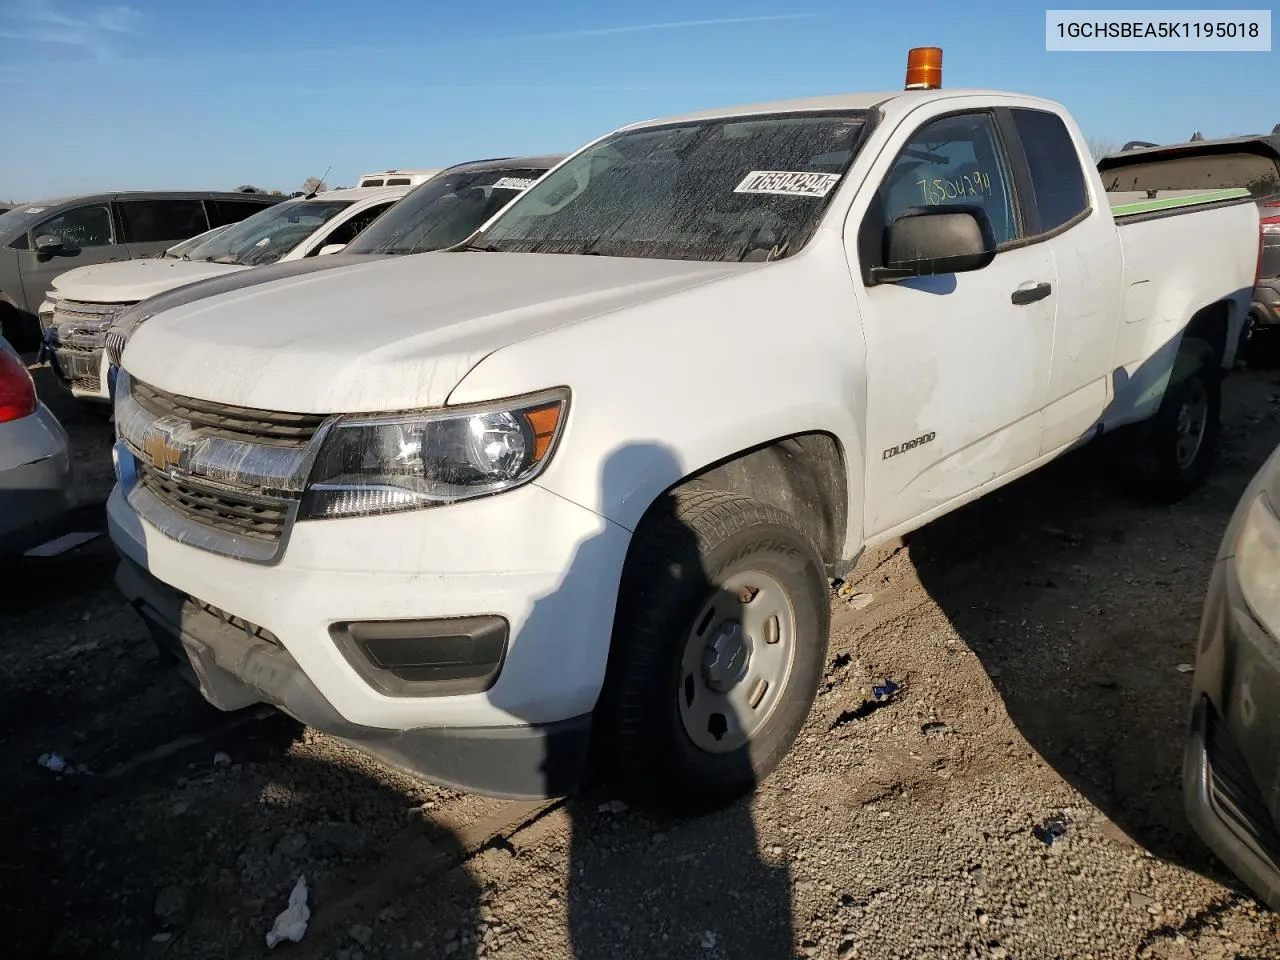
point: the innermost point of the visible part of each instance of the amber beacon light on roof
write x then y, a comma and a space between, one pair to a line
924, 68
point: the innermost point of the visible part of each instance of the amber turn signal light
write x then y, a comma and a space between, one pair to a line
924, 68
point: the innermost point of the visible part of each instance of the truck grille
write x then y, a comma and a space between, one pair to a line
241, 514
233, 423
116, 342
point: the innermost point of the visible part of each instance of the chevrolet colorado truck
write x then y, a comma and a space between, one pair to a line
567, 498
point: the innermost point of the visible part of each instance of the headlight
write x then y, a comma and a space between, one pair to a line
1258, 563
386, 464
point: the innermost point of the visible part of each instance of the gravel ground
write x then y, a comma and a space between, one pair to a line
1035, 638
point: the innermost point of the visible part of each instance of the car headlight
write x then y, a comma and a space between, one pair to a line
1258, 563
372, 465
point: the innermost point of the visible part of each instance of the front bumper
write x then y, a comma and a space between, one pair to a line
35, 481
82, 370
1231, 770
1266, 303
546, 566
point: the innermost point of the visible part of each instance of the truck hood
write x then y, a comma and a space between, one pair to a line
133, 280
389, 333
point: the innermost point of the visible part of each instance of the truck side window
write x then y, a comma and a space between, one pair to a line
81, 227
951, 160
1054, 162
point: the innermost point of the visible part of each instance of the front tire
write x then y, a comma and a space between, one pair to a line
719, 644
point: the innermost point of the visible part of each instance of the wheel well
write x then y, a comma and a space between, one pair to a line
804, 475
1210, 326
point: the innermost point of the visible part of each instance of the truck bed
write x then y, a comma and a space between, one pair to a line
1126, 205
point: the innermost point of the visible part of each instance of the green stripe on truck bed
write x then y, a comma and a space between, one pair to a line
1146, 206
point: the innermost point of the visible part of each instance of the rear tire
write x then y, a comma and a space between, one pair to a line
1179, 444
709, 682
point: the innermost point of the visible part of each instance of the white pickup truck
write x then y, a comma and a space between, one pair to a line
569, 497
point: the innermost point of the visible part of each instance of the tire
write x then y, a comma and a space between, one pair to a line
693, 550
1179, 443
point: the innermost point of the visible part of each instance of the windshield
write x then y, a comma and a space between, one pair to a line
737, 188
268, 235
180, 250
20, 218
444, 211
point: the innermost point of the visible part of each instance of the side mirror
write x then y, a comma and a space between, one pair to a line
330, 248
932, 241
49, 244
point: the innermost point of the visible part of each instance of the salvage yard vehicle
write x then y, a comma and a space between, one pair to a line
438, 214
41, 241
566, 498
83, 303
395, 178
1248, 163
1232, 762
35, 463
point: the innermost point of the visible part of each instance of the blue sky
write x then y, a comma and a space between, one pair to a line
166, 94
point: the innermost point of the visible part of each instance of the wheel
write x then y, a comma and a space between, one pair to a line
1181, 439
719, 645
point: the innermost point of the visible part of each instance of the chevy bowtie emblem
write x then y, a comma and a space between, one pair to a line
161, 452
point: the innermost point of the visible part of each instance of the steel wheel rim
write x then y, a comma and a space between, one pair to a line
738, 658
1193, 417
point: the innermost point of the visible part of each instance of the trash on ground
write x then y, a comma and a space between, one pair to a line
708, 939
59, 545
887, 690
936, 729
52, 761
291, 924
1052, 830
860, 601
221, 759
613, 806
1185, 668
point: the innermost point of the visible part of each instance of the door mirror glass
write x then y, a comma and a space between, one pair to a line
930, 241
47, 243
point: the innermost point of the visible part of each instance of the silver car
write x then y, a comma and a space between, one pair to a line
35, 462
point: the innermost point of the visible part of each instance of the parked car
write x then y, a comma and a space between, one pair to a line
84, 302
35, 463
1252, 163
573, 490
395, 178
1232, 762
440, 213
41, 241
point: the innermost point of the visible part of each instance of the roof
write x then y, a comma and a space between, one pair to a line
541, 162
106, 195
1267, 145
357, 194
833, 102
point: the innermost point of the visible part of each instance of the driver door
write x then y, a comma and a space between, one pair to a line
89, 236
957, 364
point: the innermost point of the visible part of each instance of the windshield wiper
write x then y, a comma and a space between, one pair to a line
477, 248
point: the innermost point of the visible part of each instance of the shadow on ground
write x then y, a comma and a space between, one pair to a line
1060, 584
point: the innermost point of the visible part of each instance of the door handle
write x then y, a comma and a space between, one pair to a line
1030, 292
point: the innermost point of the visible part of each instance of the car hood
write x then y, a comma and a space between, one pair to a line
388, 333
133, 280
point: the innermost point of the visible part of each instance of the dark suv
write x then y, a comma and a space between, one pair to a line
39, 241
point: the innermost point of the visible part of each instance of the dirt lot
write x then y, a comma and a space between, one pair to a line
1035, 637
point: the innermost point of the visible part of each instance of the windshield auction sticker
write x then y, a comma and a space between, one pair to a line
785, 183
513, 183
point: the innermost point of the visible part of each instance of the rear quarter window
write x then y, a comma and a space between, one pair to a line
1057, 179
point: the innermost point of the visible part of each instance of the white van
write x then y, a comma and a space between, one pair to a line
396, 178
